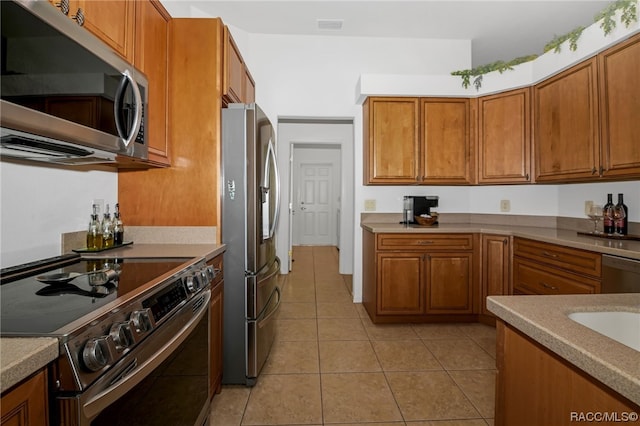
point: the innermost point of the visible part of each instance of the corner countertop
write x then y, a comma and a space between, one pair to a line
545, 320
22, 356
624, 248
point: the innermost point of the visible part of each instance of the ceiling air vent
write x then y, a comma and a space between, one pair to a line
330, 24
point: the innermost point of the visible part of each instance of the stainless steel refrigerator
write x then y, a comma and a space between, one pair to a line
250, 206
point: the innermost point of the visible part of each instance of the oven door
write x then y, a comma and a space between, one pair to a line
163, 381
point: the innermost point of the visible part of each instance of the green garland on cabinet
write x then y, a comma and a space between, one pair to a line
629, 14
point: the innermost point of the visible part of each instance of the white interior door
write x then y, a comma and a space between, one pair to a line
314, 206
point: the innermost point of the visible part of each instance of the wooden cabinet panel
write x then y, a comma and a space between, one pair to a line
446, 141
566, 125
533, 278
249, 87
216, 327
425, 241
496, 271
620, 108
151, 57
391, 140
400, 283
110, 20
450, 283
567, 258
504, 137
536, 387
173, 196
26, 404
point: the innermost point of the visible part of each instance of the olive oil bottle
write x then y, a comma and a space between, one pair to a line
94, 233
107, 229
118, 227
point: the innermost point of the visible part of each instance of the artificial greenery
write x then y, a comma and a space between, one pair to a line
628, 15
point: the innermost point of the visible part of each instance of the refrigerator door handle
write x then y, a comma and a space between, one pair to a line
268, 225
261, 316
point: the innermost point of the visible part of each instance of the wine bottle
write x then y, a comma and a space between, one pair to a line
607, 211
622, 219
118, 227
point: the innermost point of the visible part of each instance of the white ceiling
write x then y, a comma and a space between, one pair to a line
499, 29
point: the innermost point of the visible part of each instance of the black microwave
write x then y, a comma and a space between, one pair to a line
66, 97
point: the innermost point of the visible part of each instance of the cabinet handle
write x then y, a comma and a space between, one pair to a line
504, 241
601, 170
79, 17
546, 253
526, 176
64, 6
593, 171
425, 242
549, 286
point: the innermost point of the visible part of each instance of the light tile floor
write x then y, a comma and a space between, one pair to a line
330, 365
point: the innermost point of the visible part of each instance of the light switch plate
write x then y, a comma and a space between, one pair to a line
505, 205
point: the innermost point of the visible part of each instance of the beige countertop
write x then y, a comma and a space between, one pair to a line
545, 319
625, 248
20, 357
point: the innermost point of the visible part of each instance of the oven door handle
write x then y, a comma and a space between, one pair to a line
126, 382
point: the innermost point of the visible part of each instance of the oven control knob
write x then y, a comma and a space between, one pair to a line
141, 321
192, 282
204, 277
121, 335
96, 353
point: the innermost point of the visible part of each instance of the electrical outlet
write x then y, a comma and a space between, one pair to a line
587, 206
369, 205
505, 205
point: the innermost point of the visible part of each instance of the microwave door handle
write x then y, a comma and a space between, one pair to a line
118, 105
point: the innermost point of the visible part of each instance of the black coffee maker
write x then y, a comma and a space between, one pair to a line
416, 205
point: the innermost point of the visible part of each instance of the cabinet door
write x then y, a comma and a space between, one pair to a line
566, 125
400, 284
234, 72
151, 58
249, 87
495, 268
620, 111
391, 140
26, 404
504, 137
449, 283
112, 21
447, 154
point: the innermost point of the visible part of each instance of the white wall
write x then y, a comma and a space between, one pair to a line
38, 204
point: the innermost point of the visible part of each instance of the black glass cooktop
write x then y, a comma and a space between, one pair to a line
30, 307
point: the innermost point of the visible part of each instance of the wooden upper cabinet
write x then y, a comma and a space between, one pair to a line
151, 57
504, 137
619, 73
112, 21
391, 140
446, 147
237, 83
566, 125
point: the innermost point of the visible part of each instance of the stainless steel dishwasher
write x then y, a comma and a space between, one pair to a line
620, 274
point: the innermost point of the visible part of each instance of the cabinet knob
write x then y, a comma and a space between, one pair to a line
526, 176
505, 241
549, 286
594, 171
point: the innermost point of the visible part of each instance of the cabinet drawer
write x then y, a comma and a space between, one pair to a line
425, 241
532, 278
570, 259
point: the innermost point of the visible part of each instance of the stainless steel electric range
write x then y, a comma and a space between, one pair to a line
132, 333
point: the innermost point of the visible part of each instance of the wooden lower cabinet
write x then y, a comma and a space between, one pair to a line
545, 268
496, 269
418, 277
534, 386
26, 404
216, 327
